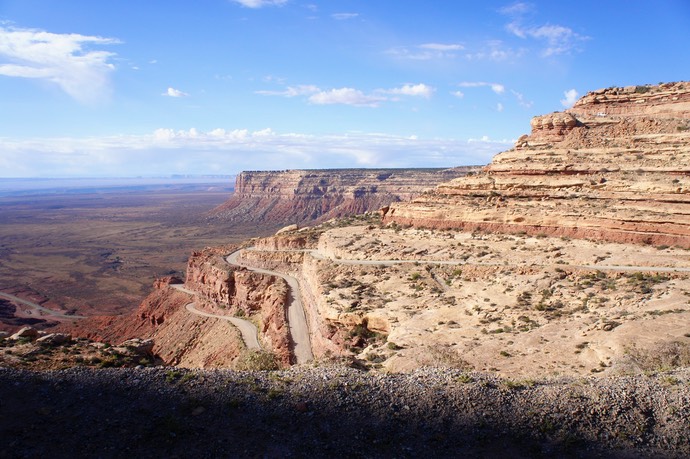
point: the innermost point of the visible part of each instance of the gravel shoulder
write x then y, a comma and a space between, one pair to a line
333, 410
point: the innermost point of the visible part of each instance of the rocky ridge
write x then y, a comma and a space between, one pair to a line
614, 167
300, 196
330, 410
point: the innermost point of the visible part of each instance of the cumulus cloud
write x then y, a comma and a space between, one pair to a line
345, 96
172, 92
570, 98
224, 151
260, 3
495, 87
344, 16
420, 90
61, 59
351, 96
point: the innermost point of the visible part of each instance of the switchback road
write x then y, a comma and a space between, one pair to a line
297, 320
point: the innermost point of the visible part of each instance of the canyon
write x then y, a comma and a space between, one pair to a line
566, 255
541, 302
572, 243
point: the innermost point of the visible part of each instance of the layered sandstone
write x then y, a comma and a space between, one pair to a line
614, 167
299, 196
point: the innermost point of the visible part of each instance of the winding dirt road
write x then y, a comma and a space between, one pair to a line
248, 330
618, 268
297, 320
38, 307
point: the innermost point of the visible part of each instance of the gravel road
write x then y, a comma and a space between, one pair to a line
299, 330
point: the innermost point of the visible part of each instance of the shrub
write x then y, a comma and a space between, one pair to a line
664, 356
253, 360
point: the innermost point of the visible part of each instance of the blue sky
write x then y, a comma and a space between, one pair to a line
113, 88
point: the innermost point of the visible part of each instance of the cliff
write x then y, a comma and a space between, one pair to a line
300, 196
614, 167
189, 340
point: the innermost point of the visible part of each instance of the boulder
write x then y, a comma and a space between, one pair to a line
26, 332
287, 229
138, 345
55, 338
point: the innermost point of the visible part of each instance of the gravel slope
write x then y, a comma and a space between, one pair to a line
337, 411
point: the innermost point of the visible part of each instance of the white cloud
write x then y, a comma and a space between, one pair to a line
521, 99
345, 96
495, 87
351, 96
420, 90
344, 16
495, 50
517, 8
172, 92
499, 107
442, 46
458, 94
292, 91
61, 59
166, 151
427, 51
570, 98
260, 3
559, 39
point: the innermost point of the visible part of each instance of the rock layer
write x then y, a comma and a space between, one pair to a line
300, 196
614, 167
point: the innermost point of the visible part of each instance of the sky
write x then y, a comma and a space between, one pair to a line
124, 88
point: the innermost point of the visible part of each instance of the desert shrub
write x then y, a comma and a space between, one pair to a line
664, 356
253, 360
443, 356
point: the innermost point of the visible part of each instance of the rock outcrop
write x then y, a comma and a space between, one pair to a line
614, 167
185, 339
301, 196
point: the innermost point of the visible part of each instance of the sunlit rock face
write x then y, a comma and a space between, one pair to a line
613, 167
305, 196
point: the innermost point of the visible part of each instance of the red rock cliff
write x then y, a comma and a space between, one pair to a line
300, 196
614, 167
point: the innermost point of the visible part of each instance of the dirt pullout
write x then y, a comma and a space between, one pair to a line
328, 410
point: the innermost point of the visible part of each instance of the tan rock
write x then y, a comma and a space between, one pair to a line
287, 229
55, 339
138, 345
26, 332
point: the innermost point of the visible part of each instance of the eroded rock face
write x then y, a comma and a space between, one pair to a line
302, 196
184, 339
614, 167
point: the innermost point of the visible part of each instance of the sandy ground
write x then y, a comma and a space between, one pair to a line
516, 305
